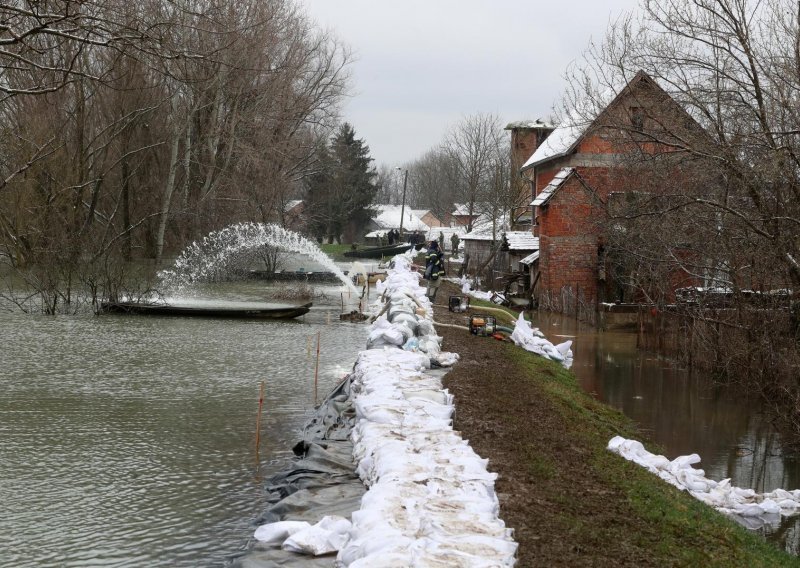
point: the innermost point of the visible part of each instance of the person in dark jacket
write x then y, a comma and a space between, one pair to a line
434, 268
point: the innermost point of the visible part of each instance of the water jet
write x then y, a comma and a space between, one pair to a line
207, 260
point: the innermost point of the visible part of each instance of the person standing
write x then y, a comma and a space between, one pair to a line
454, 244
434, 268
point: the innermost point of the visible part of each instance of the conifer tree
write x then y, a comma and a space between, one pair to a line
343, 188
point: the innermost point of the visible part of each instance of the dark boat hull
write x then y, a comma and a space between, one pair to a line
294, 276
141, 309
378, 252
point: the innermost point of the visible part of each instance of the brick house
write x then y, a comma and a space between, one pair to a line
573, 172
428, 217
461, 216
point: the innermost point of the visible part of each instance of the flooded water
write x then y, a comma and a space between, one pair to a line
129, 441
684, 413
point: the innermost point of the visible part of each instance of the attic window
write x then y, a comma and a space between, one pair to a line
637, 118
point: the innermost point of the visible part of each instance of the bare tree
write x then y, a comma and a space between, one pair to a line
129, 129
475, 144
721, 207
435, 182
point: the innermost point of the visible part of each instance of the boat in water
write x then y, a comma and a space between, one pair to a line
294, 276
246, 310
379, 252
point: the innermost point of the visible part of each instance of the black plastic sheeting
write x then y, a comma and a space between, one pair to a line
321, 482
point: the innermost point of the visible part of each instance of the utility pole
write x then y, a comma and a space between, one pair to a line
403, 206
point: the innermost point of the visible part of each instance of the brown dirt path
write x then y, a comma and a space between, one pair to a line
534, 490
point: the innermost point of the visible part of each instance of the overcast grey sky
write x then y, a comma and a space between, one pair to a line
423, 64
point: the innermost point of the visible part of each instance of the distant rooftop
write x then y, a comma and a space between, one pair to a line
529, 125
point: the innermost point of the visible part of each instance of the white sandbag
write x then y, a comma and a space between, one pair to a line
745, 503
431, 500
328, 535
532, 340
273, 534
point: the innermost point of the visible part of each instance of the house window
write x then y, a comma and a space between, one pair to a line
637, 118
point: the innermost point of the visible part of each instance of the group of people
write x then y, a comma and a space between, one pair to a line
394, 236
415, 237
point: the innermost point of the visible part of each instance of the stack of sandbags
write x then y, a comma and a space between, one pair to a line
431, 500
531, 339
719, 494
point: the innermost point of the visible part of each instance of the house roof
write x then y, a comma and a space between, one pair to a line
517, 240
463, 209
388, 217
566, 136
545, 195
560, 142
530, 259
522, 240
484, 225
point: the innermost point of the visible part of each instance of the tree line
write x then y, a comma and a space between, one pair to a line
130, 129
470, 166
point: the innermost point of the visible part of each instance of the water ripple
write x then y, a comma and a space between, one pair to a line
129, 441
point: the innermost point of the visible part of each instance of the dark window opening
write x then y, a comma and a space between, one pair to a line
637, 118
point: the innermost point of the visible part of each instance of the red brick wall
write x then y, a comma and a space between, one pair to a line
523, 145
569, 225
568, 232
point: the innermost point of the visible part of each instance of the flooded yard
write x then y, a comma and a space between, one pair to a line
684, 413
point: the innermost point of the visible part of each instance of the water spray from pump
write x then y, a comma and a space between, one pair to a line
206, 260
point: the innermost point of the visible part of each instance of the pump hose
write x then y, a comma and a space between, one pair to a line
462, 327
497, 311
502, 328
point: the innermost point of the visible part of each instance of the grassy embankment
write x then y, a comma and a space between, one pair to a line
649, 520
679, 528
336, 252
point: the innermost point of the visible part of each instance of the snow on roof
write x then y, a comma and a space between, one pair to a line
463, 208
530, 124
292, 204
522, 240
545, 195
517, 240
388, 217
484, 226
560, 141
530, 259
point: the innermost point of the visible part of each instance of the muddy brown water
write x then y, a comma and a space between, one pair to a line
684, 413
129, 440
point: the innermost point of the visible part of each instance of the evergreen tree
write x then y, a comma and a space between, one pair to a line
343, 188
